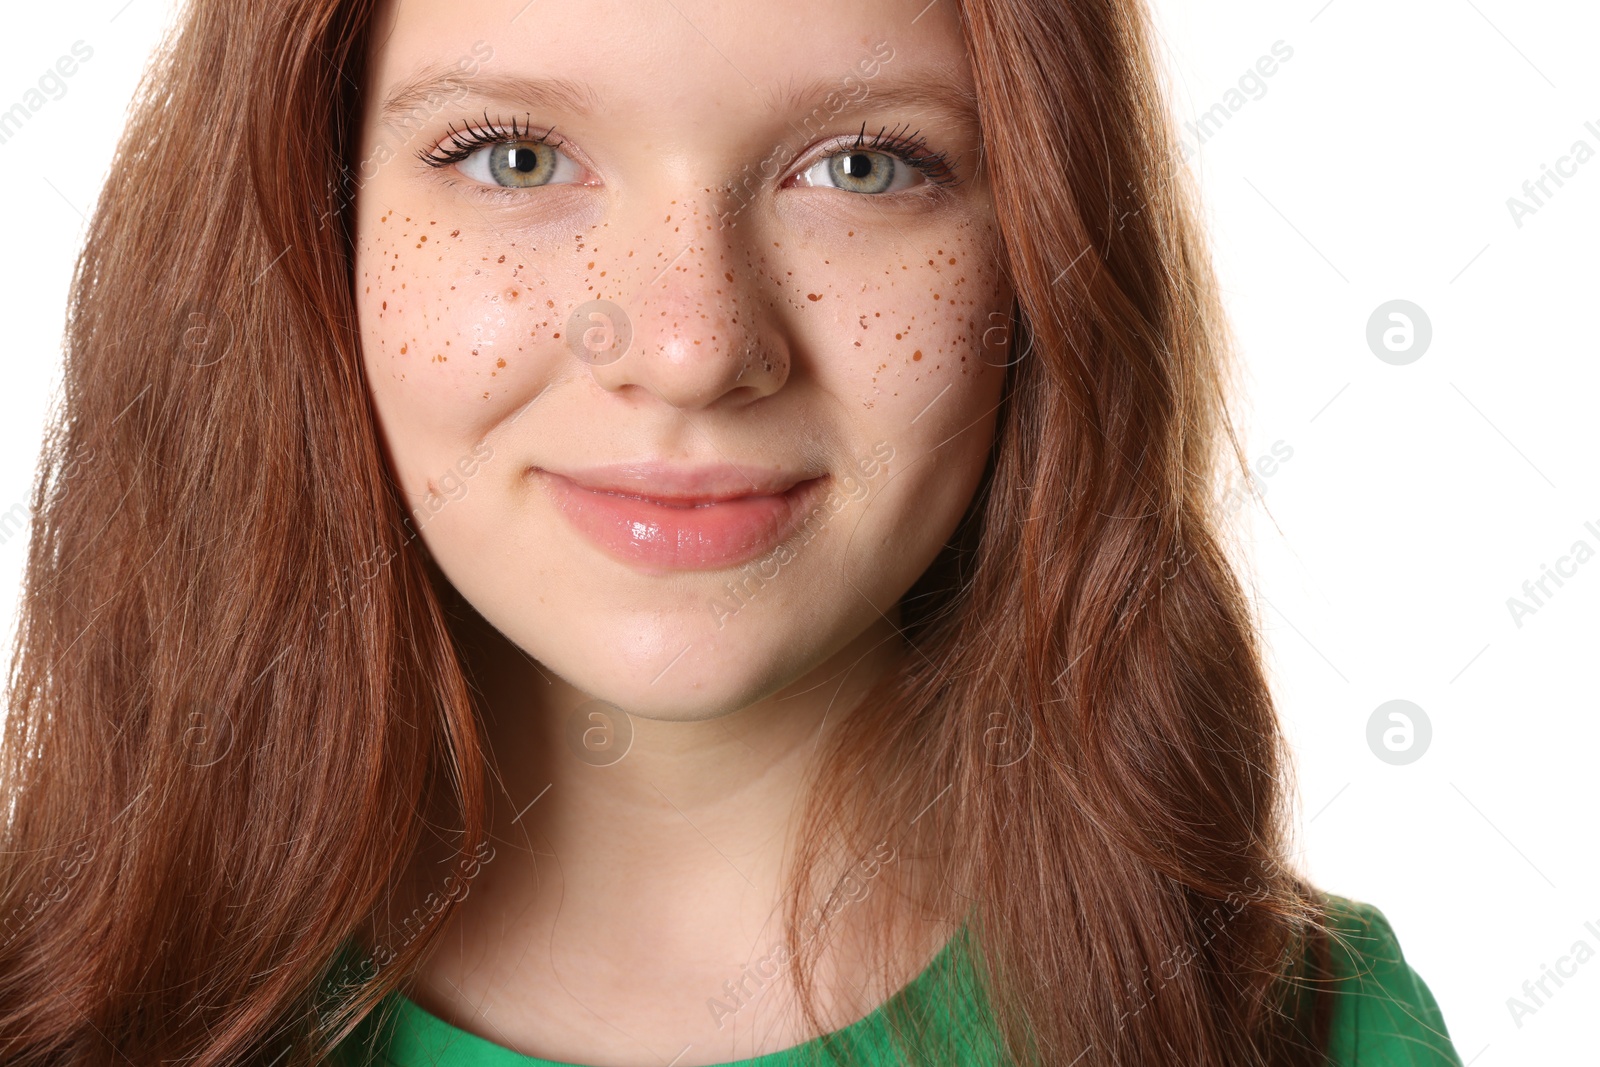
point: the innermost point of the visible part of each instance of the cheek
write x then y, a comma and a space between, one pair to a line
452, 328
922, 326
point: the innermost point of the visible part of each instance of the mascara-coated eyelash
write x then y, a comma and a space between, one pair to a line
911, 149
459, 144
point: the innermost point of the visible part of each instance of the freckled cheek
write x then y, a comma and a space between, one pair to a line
455, 329
901, 343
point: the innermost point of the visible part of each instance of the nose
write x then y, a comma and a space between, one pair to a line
702, 331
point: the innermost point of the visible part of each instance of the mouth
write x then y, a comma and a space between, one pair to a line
682, 521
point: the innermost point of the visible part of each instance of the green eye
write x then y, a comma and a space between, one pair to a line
518, 165
858, 171
884, 162
862, 172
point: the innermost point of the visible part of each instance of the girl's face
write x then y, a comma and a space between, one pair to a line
754, 268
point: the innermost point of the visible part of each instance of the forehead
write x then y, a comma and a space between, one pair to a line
682, 62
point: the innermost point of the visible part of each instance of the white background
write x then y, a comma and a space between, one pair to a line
1376, 165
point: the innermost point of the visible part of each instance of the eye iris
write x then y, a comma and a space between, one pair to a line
522, 165
864, 172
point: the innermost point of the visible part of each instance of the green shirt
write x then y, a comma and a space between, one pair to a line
1384, 1016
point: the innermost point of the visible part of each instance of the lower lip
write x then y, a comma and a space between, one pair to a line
662, 537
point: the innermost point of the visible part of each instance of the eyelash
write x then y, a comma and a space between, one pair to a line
472, 137
910, 148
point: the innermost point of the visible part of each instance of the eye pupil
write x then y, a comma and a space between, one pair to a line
858, 165
522, 159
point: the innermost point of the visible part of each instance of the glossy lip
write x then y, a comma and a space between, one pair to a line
659, 519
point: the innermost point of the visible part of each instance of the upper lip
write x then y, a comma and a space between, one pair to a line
683, 485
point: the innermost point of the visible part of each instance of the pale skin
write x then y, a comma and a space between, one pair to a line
778, 321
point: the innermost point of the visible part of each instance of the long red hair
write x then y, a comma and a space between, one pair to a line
240, 682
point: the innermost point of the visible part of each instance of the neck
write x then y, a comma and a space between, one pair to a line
656, 863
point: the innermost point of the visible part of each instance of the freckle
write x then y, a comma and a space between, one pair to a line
591, 264
499, 363
952, 261
549, 303
852, 233
403, 349
917, 354
936, 296
557, 336
898, 336
386, 305
813, 296
455, 233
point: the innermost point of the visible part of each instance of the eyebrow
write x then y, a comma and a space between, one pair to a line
932, 90
431, 82
938, 89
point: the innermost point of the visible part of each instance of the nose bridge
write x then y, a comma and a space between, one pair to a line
699, 331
